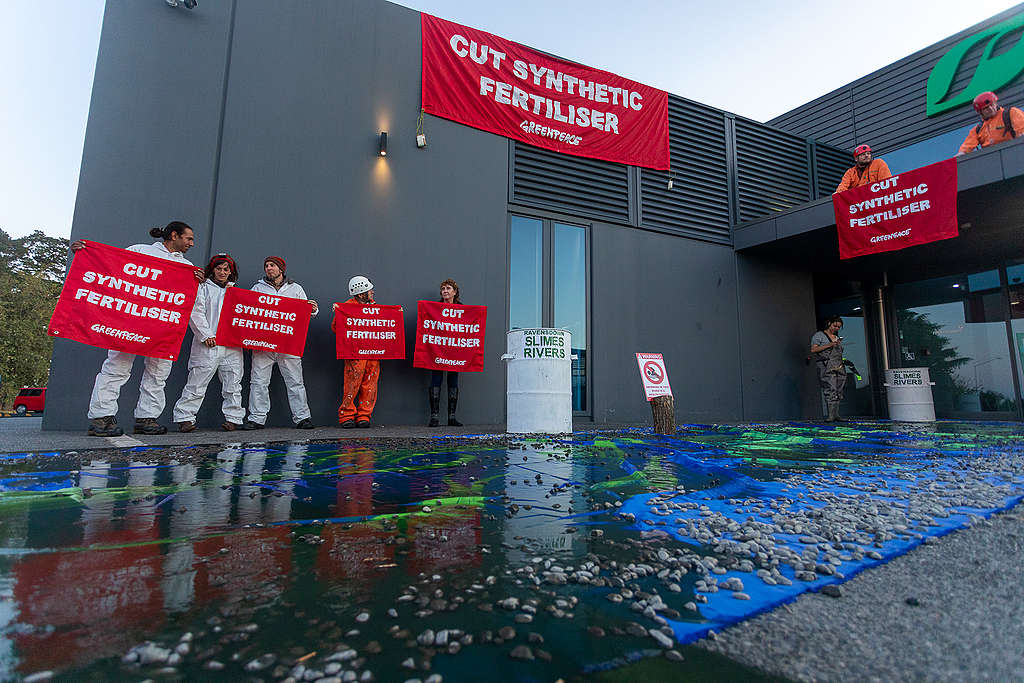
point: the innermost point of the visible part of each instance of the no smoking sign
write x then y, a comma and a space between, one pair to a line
653, 374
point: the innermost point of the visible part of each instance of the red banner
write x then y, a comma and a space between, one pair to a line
263, 322
487, 82
369, 332
449, 337
125, 301
911, 208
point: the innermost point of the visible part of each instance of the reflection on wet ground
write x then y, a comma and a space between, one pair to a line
565, 558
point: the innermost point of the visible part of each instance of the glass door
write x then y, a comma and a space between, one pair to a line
956, 327
549, 287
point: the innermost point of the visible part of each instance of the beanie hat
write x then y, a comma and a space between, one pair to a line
276, 260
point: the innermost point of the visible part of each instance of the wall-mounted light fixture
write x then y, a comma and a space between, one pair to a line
384, 144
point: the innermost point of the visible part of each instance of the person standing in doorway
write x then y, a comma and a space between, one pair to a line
263, 362
207, 358
864, 171
827, 349
449, 292
173, 241
359, 394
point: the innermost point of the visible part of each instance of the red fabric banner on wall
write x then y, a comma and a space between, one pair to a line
911, 208
449, 337
263, 322
487, 82
125, 301
369, 332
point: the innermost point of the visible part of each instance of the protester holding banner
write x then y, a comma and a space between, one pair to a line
360, 376
175, 239
449, 295
827, 349
263, 362
865, 171
997, 124
207, 357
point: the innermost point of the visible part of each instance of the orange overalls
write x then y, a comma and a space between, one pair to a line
360, 378
993, 130
876, 170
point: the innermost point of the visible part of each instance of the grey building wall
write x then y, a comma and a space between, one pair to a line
257, 123
886, 109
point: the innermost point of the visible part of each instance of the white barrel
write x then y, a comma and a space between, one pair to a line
539, 398
909, 392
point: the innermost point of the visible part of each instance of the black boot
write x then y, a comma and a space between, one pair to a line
434, 393
453, 401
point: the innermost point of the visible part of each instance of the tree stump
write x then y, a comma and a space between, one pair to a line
663, 408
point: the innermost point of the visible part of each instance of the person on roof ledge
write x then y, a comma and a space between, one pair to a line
997, 124
865, 171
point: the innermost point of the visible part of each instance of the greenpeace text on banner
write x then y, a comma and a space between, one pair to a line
263, 322
449, 337
487, 82
125, 301
911, 208
369, 331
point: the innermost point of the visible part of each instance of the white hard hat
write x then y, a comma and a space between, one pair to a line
359, 285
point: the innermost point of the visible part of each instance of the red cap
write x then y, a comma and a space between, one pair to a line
220, 258
277, 260
984, 99
860, 150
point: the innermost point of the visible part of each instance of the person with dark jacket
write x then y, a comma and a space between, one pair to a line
449, 293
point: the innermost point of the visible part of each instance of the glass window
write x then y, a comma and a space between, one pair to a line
570, 300
942, 146
958, 333
526, 273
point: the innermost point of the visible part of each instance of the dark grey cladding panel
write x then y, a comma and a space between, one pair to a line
828, 119
771, 170
698, 203
830, 165
569, 183
886, 109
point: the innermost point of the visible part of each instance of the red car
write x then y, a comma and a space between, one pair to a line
30, 399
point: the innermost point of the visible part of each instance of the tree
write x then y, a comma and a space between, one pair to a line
931, 349
30, 283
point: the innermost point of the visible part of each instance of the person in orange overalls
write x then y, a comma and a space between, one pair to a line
997, 124
866, 171
360, 375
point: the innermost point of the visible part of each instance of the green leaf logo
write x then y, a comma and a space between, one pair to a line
992, 73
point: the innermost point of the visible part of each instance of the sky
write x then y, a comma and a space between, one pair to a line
754, 58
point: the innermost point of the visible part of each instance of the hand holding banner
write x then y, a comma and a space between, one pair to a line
369, 331
263, 322
125, 301
449, 337
911, 208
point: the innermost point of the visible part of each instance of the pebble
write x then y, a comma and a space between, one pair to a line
521, 652
507, 633
832, 591
38, 677
662, 639
261, 662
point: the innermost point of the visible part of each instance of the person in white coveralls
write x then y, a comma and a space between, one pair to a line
175, 239
208, 358
263, 362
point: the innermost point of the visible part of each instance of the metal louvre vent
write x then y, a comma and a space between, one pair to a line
698, 203
831, 164
772, 171
569, 183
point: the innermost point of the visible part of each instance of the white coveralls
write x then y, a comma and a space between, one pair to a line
204, 361
117, 368
290, 367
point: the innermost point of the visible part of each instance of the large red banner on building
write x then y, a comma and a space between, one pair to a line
125, 301
369, 331
263, 322
487, 82
911, 208
449, 337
